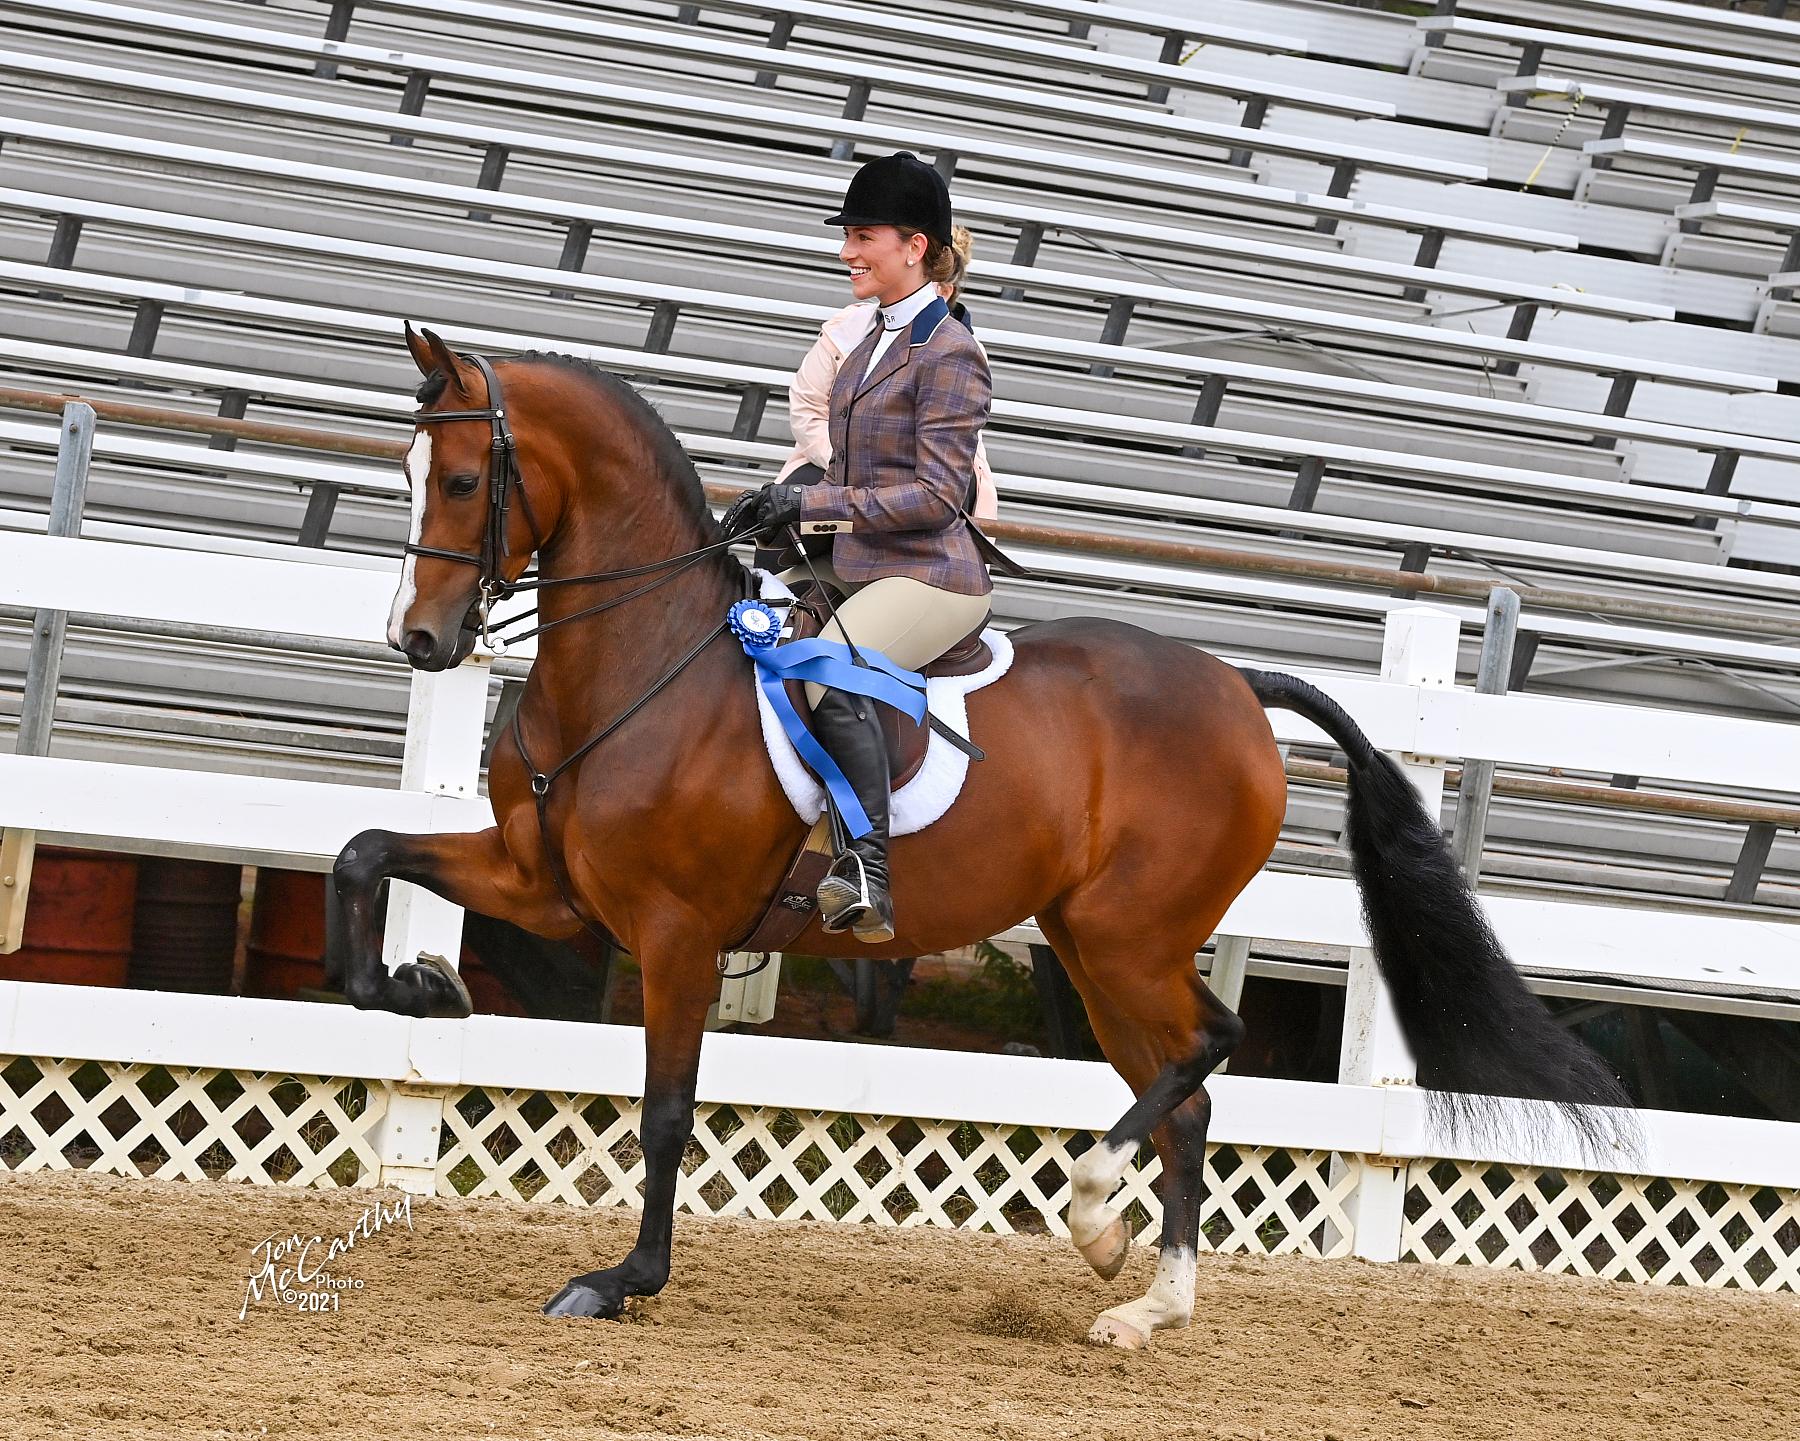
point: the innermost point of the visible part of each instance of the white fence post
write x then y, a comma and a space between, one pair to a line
445, 720
1230, 964
1418, 649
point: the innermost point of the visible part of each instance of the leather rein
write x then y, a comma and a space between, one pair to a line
504, 482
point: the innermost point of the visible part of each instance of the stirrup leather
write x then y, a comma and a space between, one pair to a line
847, 904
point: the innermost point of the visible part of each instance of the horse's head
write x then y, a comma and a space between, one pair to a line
471, 528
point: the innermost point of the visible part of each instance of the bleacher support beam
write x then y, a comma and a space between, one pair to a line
1170, 54
1256, 111
856, 104
1343, 177
321, 505
337, 28
779, 34
43, 663
1524, 316
1025, 253
1759, 839
146, 321
1475, 790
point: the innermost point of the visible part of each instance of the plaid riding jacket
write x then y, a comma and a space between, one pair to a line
903, 459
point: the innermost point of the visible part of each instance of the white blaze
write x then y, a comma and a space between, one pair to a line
418, 469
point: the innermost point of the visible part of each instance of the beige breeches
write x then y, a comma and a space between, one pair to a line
906, 620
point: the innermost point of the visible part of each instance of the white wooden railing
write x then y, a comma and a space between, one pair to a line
874, 1133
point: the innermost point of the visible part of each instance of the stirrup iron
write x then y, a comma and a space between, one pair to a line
845, 903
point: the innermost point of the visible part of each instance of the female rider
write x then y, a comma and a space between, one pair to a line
907, 409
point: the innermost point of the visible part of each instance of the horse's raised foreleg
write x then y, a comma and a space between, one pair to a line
471, 869
679, 984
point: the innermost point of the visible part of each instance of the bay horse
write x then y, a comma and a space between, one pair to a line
1131, 788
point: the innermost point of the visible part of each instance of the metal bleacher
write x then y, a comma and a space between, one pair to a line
1302, 278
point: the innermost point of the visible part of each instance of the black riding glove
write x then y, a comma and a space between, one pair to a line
759, 512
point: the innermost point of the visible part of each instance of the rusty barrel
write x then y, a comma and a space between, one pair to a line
287, 934
77, 919
184, 936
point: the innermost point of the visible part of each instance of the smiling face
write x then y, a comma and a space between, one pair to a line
878, 260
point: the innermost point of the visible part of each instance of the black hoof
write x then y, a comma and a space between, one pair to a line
435, 979
577, 1299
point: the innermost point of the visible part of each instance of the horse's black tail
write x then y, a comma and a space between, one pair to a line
1474, 1028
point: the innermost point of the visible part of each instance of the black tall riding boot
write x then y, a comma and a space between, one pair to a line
854, 895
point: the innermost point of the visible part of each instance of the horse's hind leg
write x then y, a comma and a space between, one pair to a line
1164, 1031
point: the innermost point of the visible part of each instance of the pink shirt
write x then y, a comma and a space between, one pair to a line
809, 402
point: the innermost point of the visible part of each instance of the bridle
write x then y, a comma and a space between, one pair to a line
504, 481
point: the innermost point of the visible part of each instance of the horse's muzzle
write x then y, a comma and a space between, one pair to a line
426, 651
422, 652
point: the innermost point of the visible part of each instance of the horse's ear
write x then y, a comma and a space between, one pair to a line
433, 357
420, 351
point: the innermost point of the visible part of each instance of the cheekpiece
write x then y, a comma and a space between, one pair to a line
754, 624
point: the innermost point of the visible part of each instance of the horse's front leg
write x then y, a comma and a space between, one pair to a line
679, 984
472, 869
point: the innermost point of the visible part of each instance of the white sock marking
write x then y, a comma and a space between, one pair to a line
418, 468
1168, 1302
1091, 1181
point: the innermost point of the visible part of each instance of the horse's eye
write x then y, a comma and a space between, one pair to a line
461, 485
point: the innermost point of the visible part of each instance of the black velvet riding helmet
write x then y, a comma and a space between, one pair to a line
898, 189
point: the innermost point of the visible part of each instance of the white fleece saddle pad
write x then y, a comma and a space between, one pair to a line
930, 793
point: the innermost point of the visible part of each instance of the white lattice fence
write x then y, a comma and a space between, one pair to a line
1668, 1232
278, 1093
187, 1124
776, 1164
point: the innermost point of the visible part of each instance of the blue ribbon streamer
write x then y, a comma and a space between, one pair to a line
828, 663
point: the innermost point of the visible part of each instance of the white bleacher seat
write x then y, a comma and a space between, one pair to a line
1607, 50
948, 42
1631, 100
764, 121
1688, 160
1082, 15
1776, 218
1331, 266
1663, 22
1167, 300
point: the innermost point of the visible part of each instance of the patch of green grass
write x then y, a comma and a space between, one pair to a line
999, 996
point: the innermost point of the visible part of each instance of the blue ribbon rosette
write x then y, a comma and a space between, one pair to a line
829, 663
